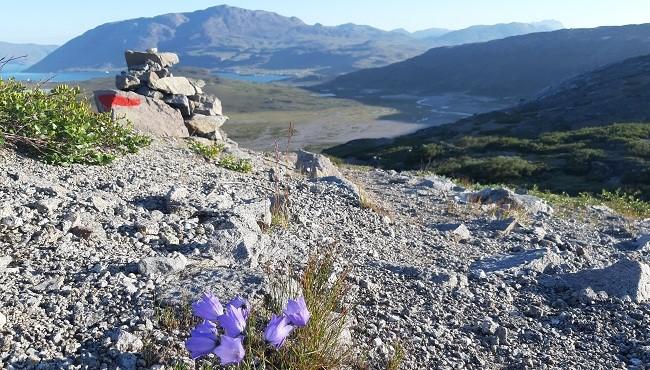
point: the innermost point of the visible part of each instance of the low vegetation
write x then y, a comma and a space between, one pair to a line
214, 152
60, 128
233, 163
628, 205
210, 152
587, 160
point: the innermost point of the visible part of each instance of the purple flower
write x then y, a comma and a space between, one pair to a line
208, 307
239, 302
203, 340
278, 330
233, 321
230, 350
297, 312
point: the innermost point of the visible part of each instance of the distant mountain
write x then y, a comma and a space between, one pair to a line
588, 133
228, 37
32, 52
430, 33
517, 66
493, 32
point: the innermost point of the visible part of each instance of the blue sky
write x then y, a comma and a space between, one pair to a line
56, 21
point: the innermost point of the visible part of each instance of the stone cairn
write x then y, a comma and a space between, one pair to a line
159, 103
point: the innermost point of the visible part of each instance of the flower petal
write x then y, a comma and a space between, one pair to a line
202, 341
297, 312
208, 307
239, 302
233, 321
278, 330
230, 350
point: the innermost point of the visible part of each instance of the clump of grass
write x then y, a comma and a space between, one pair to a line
60, 127
175, 317
209, 152
395, 362
366, 201
280, 215
233, 163
315, 346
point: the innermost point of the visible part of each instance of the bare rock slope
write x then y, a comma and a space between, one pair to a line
89, 255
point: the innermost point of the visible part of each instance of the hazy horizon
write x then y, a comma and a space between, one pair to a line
412, 15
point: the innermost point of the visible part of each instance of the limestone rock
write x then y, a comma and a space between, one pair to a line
181, 103
238, 239
197, 279
4, 262
137, 58
174, 85
208, 105
149, 116
205, 126
438, 183
146, 91
161, 266
533, 260
461, 233
508, 199
126, 82
127, 342
316, 165
624, 278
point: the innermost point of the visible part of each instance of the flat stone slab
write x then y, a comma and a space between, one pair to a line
624, 278
174, 85
534, 260
138, 58
201, 125
224, 282
149, 116
506, 198
438, 183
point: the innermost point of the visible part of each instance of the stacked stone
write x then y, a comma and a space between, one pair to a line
149, 75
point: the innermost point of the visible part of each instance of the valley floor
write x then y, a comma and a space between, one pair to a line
89, 256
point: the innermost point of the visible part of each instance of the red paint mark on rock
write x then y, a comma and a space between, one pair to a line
110, 101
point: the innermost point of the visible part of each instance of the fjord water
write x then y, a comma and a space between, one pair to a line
16, 71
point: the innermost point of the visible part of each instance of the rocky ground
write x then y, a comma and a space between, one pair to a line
91, 256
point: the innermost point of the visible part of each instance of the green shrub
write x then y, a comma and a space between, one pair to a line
431, 151
60, 127
232, 163
210, 152
489, 170
640, 148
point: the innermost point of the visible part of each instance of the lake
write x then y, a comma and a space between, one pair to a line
16, 71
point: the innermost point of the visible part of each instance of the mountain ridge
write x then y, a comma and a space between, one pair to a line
32, 52
235, 39
517, 66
